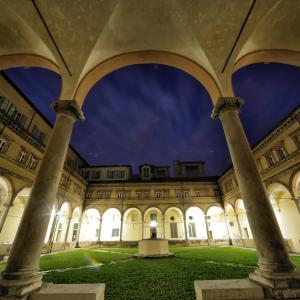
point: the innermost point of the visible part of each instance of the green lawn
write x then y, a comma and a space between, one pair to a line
143, 279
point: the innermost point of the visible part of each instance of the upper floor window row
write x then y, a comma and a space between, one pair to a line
116, 174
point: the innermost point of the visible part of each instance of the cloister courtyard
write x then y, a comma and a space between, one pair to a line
129, 278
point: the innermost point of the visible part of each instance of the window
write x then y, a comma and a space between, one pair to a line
281, 152
174, 230
216, 192
32, 163
97, 174
157, 194
115, 232
88, 195
17, 116
134, 217
146, 194
115, 174
3, 144
246, 234
271, 159
192, 230
139, 194
178, 194
21, 157
38, 134
120, 195
146, 172
185, 194
3, 103
198, 194
75, 231
99, 195
153, 217
107, 195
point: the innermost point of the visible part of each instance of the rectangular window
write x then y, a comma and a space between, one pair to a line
157, 194
146, 172
3, 103
21, 157
115, 232
246, 234
185, 194
174, 230
139, 194
198, 194
120, 195
99, 195
146, 194
192, 230
178, 194
88, 195
271, 159
153, 217
107, 195
32, 163
2, 145
281, 153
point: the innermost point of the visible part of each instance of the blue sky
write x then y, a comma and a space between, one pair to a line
157, 114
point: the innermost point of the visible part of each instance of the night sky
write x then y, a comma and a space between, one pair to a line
157, 114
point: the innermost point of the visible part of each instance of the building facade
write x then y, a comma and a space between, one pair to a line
109, 205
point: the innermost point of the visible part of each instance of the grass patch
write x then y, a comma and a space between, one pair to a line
144, 279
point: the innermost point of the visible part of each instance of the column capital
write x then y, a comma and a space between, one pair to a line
69, 107
225, 104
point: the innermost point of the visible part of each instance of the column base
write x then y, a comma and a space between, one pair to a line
19, 288
288, 280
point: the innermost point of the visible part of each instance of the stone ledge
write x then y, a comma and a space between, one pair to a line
71, 292
233, 289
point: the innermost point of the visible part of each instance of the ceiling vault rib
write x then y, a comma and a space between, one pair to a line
238, 36
48, 30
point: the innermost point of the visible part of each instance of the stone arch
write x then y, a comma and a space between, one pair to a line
272, 38
287, 214
174, 224
90, 225
6, 194
146, 57
195, 223
132, 224
111, 225
14, 216
232, 222
242, 218
217, 228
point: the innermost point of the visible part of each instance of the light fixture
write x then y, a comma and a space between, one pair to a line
153, 223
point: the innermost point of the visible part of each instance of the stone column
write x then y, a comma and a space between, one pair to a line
67, 232
185, 229
142, 227
21, 275
206, 227
164, 230
274, 264
78, 232
121, 228
239, 228
100, 228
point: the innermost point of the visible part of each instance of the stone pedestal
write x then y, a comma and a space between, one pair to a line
71, 292
232, 289
153, 248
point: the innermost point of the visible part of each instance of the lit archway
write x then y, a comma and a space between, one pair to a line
5, 196
111, 225
232, 222
174, 224
217, 228
195, 223
153, 217
287, 214
243, 219
90, 226
132, 225
14, 216
296, 185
